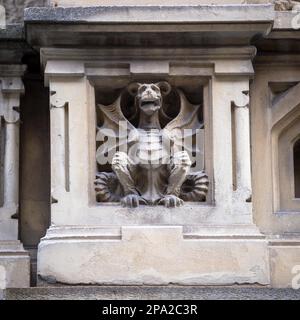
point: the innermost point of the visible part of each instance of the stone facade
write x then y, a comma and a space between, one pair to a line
222, 209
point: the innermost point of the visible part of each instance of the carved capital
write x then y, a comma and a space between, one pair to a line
56, 101
10, 112
11, 89
242, 100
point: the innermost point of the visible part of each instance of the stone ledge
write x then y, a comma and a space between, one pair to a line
165, 14
73, 3
158, 25
238, 231
151, 293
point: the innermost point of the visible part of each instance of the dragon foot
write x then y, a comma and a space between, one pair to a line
171, 201
132, 201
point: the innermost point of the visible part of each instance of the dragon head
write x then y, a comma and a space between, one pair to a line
148, 96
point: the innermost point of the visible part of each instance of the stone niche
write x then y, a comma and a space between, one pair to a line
95, 237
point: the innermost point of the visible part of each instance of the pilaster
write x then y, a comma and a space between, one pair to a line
14, 261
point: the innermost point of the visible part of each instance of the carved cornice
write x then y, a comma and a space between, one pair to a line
157, 25
208, 54
152, 13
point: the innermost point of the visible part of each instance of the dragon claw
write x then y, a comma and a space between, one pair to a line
132, 201
171, 201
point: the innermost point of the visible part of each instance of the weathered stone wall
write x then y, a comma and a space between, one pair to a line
15, 8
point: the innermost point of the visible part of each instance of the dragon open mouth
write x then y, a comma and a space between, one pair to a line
149, 103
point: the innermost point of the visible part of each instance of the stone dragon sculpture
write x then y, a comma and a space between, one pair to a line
154, 168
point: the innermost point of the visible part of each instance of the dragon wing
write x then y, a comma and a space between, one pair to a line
115, 133
184, 129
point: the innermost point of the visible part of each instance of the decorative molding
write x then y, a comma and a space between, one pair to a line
233, 61
124, 55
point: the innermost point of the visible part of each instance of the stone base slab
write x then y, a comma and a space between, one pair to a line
151, 293
151, 255
14, 265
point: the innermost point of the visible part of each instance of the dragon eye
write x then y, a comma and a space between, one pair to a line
154, 88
